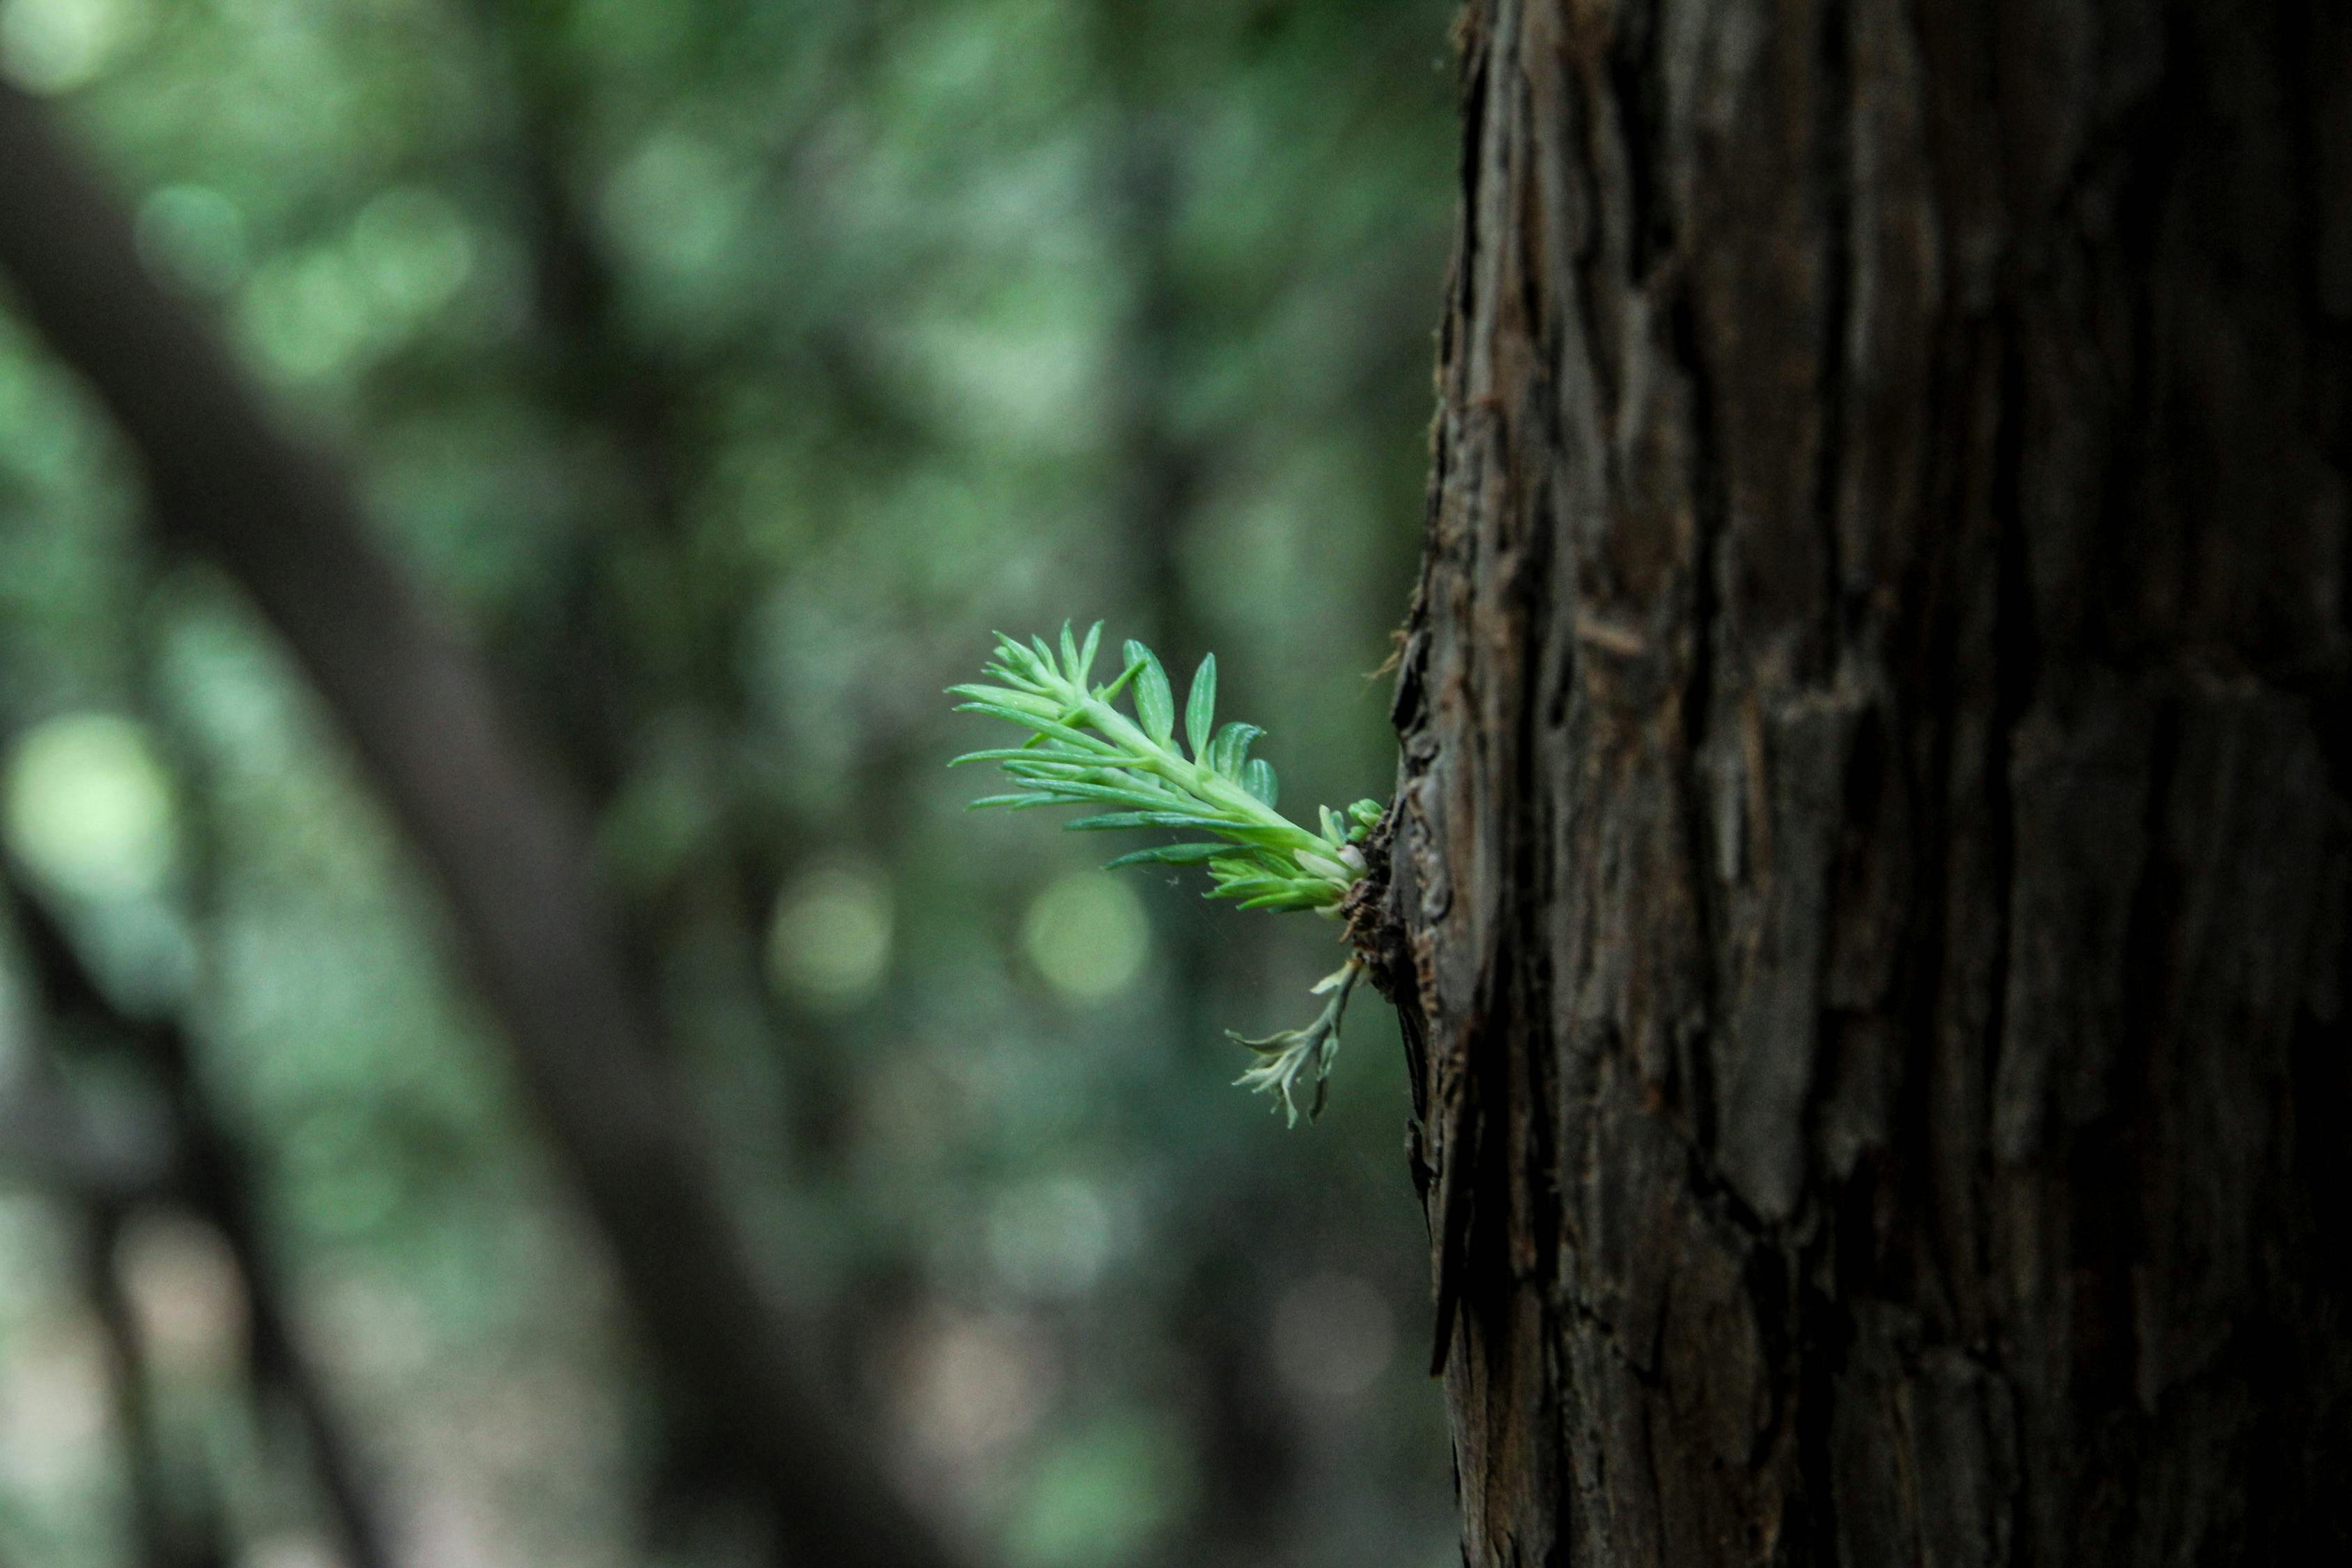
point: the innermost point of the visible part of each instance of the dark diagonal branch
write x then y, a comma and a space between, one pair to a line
211, 1174
166, 1539
508, 852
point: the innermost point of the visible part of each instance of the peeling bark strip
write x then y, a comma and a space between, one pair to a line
1871, 871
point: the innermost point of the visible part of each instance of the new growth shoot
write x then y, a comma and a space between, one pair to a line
1083, 751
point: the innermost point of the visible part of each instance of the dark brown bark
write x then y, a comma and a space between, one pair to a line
1872, 845
509, 852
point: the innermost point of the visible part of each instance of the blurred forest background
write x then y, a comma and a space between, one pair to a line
724, 370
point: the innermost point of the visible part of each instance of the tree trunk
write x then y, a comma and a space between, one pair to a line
1869, 885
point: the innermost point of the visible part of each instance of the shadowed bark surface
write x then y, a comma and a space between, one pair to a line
1871, 854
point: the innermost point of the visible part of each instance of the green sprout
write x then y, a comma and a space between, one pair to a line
1082, 750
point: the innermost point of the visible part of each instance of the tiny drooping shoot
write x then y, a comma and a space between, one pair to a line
1083, 751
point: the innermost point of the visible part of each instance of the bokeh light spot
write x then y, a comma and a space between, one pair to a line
675, 201
306, 313
57, 46
1087, 935
193, 236
412, 250
89, 806
829, 942
1333, 1336
1050, 1237
186, 1292
1100, 1495
974, 1386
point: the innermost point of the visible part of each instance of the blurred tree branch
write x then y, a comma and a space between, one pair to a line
641, 399
167, 1538
509, 853
49, 1143
211, 1171
205, 1166
45, 1148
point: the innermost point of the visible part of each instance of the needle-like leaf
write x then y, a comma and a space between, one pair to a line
1153, 703
1231, 746
1201, 707
1167, 855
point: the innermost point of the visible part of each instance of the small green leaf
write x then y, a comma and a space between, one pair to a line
1167, 855
1241, 832
1012, 800
1287, 899
1111, 693
1272, 1044
1154, 704
1110, 820
1201, 707
1043, 726
1249, 887
1231, 745
1052, 774
1032, 753
1017, 657
1259, 779
1112, 795
1023, 701
1087, 655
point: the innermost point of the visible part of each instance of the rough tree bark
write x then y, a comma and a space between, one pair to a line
1871, 866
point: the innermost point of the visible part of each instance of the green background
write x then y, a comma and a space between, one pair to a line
727, 372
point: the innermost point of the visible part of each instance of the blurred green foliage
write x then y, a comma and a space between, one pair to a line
728, 370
